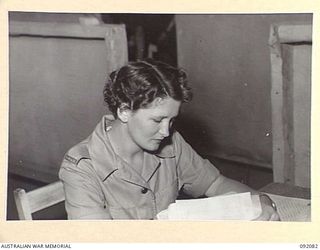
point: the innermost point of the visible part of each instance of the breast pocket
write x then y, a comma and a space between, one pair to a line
167, 195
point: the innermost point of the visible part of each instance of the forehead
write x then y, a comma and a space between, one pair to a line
166, 107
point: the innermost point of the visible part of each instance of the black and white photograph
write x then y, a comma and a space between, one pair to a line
139, 116
166, 122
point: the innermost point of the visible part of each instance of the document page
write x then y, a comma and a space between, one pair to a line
241, 206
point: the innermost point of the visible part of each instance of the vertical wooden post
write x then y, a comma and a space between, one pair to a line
22, 204
291, 102
116, 45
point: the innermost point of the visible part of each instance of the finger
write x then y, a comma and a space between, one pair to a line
266, 216
275, 217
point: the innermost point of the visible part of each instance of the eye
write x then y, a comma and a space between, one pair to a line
157, 120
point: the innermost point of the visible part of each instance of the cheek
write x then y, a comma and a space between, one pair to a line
143, 128
150, 128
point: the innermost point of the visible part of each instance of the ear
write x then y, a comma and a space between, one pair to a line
158, 100
123, 113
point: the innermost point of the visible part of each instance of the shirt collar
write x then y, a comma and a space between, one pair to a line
104, 160
103, 157
166, 149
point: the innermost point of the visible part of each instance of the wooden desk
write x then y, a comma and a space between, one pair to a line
287, 190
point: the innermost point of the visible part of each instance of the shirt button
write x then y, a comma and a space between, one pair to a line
144, 190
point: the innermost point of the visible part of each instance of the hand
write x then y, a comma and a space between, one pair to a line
268, 213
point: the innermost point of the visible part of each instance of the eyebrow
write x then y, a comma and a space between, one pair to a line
161, 117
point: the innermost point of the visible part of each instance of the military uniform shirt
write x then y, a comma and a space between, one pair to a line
99, 184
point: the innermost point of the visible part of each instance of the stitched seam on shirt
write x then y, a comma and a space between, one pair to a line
83, 158
109, 175
164, 157
133, 183
154, 171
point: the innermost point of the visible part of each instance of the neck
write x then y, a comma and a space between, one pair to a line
122, 144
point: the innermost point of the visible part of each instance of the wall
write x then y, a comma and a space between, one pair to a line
228, 63
57, 74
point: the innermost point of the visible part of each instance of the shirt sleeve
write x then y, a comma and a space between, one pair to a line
84, 197
195, 173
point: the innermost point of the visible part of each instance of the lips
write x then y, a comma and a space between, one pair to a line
158, 141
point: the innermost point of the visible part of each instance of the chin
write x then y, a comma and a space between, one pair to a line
152, 148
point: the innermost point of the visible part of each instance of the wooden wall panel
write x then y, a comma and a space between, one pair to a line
227, 59
57, 74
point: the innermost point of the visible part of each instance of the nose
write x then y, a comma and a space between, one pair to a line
165, 129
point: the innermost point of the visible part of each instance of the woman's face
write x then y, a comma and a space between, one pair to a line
147, 127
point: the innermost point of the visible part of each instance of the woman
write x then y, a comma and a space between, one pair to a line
133, 164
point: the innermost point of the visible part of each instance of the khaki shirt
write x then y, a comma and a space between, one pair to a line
98, 184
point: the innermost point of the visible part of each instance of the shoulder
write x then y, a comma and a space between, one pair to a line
77, 153
178, 141
76, 160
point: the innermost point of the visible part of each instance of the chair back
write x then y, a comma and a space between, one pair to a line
29, 202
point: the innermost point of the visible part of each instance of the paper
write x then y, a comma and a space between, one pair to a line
292, 209
240, 206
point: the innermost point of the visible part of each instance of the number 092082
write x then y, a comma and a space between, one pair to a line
311, 246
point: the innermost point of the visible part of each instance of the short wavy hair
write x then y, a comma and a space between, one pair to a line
137, 84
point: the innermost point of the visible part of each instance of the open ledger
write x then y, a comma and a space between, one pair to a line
292, 209
240, 206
